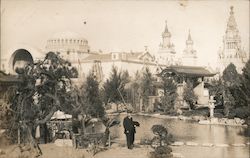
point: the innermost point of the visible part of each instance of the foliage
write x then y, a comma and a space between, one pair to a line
162, 152
161, 134
163, 139
92, 97
45, 88
147, 88
245, 86
135, 89
241, 112
116, 82
170, 94
188, 94
230, 76
232, 93
126, 79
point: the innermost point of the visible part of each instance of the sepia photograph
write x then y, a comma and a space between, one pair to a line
125, 79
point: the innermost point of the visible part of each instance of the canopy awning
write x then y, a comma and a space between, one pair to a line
190, 71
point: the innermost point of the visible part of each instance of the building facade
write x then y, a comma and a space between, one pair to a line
70, 45
189, 56
166, 54
101, 64
232, 51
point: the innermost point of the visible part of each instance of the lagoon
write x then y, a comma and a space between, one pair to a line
201, 141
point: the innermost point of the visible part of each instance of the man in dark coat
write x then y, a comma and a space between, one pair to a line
129, 130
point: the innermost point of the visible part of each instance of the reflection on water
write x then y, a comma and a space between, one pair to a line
189, 131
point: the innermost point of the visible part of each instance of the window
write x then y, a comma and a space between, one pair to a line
114, 56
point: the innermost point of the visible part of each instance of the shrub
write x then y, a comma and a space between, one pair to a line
145, 141
242, 112
162, 137
162, 152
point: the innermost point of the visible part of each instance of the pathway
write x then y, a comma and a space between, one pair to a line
123, 152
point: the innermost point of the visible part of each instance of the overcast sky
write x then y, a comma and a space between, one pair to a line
124, 25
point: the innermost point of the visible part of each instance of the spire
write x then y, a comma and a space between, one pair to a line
189, 40
166, 27
166, 33
231, 24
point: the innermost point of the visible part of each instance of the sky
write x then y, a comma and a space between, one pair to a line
124, 25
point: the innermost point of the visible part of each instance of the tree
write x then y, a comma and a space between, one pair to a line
160, 142
230, 76
45, 88
232, 93
147, 88
136, 89
125, 80
216, 89
188, 94
93, 99
170, 94
245, 80
114, 86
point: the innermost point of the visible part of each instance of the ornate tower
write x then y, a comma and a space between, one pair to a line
189, 57
231, 52
166, 53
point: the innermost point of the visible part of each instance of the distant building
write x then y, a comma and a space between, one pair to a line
189, 56
194, 74
166, 54
19, 56
70, 45
101, 64
231, 52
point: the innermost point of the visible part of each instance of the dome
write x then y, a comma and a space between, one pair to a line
67, 43
66, 35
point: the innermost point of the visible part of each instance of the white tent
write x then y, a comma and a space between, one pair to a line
60, 115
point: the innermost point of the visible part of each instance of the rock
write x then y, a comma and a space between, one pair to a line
222, 121
204, 122
242, 121
207, 144
239, 145
237, 121
191, 144
230, 122
177, 143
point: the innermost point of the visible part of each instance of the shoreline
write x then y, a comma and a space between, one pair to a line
198, 119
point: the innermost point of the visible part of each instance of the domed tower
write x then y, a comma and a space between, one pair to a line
231, 52
70, 45
166, 53
189, 57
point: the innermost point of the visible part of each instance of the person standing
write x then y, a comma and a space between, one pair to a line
129, 130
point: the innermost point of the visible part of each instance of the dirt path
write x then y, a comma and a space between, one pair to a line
53, 151
123, 152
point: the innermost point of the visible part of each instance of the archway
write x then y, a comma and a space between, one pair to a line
19, 59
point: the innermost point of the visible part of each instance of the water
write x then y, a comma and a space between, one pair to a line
185, 131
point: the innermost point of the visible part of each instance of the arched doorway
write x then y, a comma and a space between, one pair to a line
19, 59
